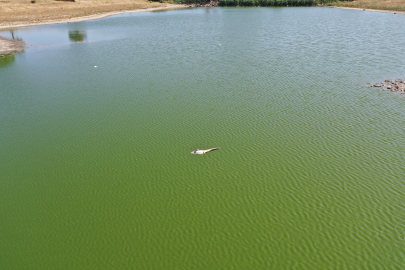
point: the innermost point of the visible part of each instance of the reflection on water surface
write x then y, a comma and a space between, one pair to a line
6, 60
77, 36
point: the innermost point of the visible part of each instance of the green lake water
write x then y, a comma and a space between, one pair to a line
98, 119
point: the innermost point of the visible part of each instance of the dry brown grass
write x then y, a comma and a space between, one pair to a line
398, 5
23, 11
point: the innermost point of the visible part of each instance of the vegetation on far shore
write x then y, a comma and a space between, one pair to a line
396, 5
255, 3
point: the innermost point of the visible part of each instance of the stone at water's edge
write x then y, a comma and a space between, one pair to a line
10, 45
397, 86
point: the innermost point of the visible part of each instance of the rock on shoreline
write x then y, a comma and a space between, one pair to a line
211, 3
10, 45
397, 86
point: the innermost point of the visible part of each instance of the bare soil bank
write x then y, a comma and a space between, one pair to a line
18, 13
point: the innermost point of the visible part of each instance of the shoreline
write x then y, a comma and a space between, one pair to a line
113, 13
87, 18
9, 46
373, 10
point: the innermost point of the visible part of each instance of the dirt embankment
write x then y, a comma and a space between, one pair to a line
10, 45
17, 13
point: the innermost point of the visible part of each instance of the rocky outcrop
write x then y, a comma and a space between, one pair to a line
397, 86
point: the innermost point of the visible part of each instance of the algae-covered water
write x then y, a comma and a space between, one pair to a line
98, 119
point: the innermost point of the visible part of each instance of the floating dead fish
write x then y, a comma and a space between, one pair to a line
200, 152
